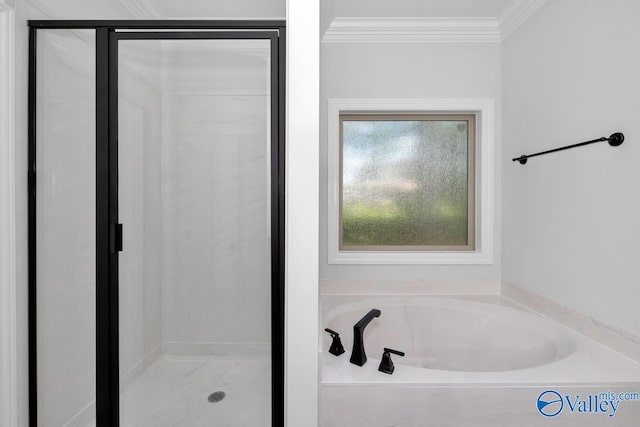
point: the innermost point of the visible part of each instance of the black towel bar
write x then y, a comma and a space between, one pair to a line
614, 140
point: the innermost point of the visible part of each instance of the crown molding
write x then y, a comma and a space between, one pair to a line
142, 9
516, 14
412, 30
432, 30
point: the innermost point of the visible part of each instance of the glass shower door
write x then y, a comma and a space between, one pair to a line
62, 230
195, 173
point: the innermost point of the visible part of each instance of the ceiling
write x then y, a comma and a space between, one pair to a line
161, 9
341, 20
419, 8
172, 9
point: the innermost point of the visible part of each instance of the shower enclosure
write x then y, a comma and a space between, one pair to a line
156, 223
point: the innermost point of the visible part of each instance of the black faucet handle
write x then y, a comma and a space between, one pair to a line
390, 350
332, 332
386, 364
336, 345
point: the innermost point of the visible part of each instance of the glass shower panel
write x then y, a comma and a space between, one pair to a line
65, 227
194, 200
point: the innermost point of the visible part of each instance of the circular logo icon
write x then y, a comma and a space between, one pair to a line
550, 403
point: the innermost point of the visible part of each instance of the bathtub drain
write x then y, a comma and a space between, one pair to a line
216, 396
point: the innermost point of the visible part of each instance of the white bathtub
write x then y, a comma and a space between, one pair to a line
473, 361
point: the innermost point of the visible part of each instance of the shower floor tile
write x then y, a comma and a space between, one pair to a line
174, 391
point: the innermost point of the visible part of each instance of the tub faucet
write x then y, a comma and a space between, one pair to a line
358, 356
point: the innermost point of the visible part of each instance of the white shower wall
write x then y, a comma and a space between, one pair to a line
215, 198
139, 210
194, 200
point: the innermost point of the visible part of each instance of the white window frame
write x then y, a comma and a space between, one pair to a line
483, 108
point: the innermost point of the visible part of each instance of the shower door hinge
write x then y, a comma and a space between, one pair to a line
116, 238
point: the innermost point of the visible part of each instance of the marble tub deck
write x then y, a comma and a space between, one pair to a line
416, 397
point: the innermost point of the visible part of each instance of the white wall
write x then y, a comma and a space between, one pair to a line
301, 276
571, 226
408, 70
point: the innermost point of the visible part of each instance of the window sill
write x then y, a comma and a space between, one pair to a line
409, 258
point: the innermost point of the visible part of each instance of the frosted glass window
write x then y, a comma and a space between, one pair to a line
407, 182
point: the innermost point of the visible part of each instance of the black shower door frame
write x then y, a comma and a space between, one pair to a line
108, 229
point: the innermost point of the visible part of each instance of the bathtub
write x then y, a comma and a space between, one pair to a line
469, 361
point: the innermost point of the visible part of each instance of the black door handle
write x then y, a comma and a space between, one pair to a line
116, 238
